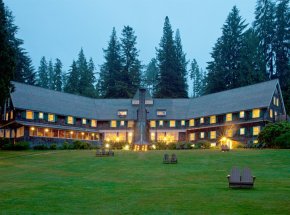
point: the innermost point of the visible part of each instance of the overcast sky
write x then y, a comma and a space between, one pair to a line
59, 28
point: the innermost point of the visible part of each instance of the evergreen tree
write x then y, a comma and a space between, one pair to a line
43, 73
50, 73
73, 78
151, 76
7, 58
197, 79
224, 72
181, 67
57, 79
282, 48
110, 80
265, 27
131, 76
87, 78
24, 71
168, 66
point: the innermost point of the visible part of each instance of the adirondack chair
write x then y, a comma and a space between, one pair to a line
166, 159
98, 153
234, 178
173, 159
111, 153
247, 179
225, 148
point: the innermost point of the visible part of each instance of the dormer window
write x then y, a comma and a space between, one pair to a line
161, 112
122, 113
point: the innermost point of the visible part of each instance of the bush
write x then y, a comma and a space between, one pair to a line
21, 145
40, 147
202, 145
283, 141
117, 145
273, 131
81, 145
5, 143
53, 146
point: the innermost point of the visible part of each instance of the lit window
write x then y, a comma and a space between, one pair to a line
7, 117
29, 114
229, 117
11, 114
230, 133
160, 122
152, 136
172, 123
192, 136
277, 102
40, 115
242, 114
113, 124
255, 141
213, 135
271, 113
182, 122
51, 117
191, 122
122, 113
70, 120
201, 135
256, 130
242, 131
201, 120
276, 113
122, 123
130, 124
212, 119
93, 123
84, 121
256, 113
161, 112
152, 123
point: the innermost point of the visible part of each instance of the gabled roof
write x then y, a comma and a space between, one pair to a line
243, 98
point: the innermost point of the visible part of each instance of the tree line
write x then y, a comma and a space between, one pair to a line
244, 54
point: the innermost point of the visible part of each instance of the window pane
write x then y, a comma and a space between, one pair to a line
113, 124
51, 117
256, 113
212, 119
229, 117
29, 114
242, 114
191, 122
152, 123
93, 123
172, 123
70, 120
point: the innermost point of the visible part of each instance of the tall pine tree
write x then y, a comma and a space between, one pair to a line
110, 83
131, 75
43, 73
73, 78
151, 76
57, 79
50, 73
197, 79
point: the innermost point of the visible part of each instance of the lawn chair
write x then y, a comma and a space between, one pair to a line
234, 178
247, 179
173, 159
166, 159
225, 148
111, 153
98, 153
104, 153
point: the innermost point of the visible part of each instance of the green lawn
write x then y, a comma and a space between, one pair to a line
77, 182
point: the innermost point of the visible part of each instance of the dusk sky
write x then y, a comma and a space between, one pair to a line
59, 28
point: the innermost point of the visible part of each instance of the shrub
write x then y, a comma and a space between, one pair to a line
53, 146
5, 144
65, 145
271, 132
283, 141
40, 147
81, 145
117, 145
202, 145
21, 146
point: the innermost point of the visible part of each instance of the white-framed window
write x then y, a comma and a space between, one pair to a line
84, 121
122, 113
29, 114
70, 120
271, 113
122, 123
161, 112
130, 124
201, 121
230, 132
93, 123
256, 113
213, 135
242, 131
152, 124
256, 130
212, 119
242, 114
40, 115
192, 136
161, 122
172, 123
229, 117
152, 136
113, 123
182, 123
191, 122
51, 117
201, 135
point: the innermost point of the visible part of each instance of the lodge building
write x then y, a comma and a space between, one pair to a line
40, 116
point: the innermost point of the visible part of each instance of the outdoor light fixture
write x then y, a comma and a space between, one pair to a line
117, 139
153, 146
32, 128
71, 132
83, 133
107, 145
46, 130
126, 147
130, 134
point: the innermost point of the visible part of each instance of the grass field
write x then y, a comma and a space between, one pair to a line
77, 182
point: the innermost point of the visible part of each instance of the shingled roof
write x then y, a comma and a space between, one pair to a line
243, 98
